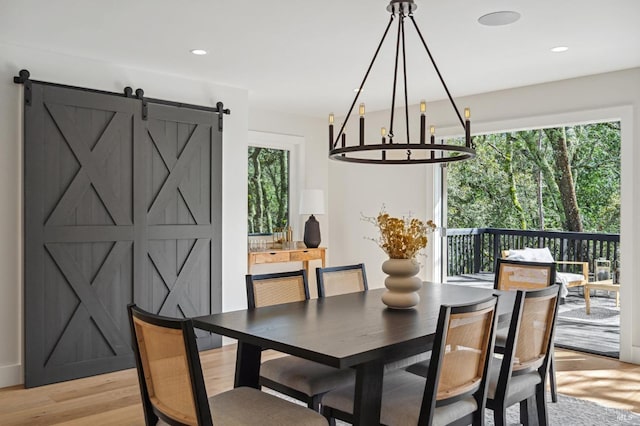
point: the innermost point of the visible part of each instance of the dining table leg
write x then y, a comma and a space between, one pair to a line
247, 365
368, 393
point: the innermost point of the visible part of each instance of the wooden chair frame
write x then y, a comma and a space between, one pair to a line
201, 403
526, 397
552, 281
429, 400
312, 401
321, 271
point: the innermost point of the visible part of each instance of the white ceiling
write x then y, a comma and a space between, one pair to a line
307, 56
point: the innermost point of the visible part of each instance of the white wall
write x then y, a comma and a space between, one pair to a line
313, 176
363, 188
86, 73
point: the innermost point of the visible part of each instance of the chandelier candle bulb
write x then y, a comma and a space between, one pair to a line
383, 132
361, 111
432, 139
467, 127
423, 121
331, 131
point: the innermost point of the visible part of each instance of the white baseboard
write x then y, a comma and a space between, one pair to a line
10, 375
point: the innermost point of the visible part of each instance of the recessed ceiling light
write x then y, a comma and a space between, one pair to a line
198, 52
560, 49
357, 89
495, 19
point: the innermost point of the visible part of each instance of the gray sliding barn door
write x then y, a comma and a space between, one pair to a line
117, 210
182, 183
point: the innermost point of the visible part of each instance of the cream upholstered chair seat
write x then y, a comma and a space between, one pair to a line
307, 377
402, 397
232, 408
517, 384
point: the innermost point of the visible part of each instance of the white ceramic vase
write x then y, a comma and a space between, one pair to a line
402, 284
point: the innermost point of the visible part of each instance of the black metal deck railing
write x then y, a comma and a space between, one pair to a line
475, 250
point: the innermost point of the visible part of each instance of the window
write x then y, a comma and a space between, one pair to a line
563, 178
268, 191
291, 147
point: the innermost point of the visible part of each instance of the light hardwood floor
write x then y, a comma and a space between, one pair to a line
113, 399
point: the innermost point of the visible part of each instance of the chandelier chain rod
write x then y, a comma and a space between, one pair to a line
406, 90
375, 55
395, 79
424, 43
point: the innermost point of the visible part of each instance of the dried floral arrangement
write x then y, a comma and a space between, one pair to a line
400, 238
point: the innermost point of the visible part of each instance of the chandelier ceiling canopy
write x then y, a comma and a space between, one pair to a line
416, 152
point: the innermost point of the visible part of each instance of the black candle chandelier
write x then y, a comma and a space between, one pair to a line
376, 153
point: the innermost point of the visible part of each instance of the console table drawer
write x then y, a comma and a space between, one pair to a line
303, 255
269, 257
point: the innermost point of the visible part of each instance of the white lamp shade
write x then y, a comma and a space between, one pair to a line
312, 201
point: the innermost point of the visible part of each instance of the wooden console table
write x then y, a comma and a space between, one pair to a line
606, 285
303, 255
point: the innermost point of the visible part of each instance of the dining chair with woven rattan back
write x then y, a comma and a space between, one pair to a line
337, 280
277, 288
522, 275
172, 385
519, 377
454, 391
296, 377
525, 275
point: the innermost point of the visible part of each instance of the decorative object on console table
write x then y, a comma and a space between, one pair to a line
312, 202
402, 239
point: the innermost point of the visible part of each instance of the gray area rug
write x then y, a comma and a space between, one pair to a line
568, 411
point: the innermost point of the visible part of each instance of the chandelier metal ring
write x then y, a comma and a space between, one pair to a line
446, 152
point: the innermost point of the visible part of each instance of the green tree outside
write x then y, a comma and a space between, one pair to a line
268, 190
565, 178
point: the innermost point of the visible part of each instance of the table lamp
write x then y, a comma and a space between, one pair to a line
312, 202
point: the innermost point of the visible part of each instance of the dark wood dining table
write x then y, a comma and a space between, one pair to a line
353, 330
